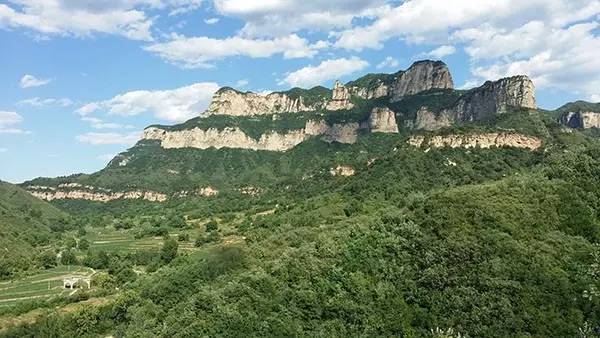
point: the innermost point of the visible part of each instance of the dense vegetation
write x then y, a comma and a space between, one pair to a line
27, 226
497, 242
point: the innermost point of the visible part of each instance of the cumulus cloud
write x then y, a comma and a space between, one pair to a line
211, 21
441, 51
199, 52
174, 105
281, 17
47, 102
95, 139
388, 62
97, 123
79, 18
327, 70
9, 121
553, 41
564, 58
28, 81
242, 83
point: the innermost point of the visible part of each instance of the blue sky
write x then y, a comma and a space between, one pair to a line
82, 78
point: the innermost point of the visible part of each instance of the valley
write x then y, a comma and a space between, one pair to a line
391, 205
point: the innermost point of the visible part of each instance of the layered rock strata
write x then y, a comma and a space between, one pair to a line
485, 140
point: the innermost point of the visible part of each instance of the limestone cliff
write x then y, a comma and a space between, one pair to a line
50, 195
227, 101
483, 140
421, 76
581, 120
235, 138
383, 120
427, 120
340, 98
495, 97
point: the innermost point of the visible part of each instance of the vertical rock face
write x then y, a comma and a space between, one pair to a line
581, 120
377, 91
427, 120
421, 76
228, 101
340, 98
383, 120
495, 97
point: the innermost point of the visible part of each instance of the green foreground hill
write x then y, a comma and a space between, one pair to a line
27, 224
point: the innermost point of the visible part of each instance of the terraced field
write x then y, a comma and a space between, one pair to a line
123, 240
43, 285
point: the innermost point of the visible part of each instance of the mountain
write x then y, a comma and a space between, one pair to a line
579, 114
391, 205
27, 224
260, 141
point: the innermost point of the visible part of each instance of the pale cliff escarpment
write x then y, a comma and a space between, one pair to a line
581, 120
421, 76
235, 138
97, 194
480, 140
228, 101
229, 137
495, 97
428, 120
383, 120
479, 103
340, 98
51, 195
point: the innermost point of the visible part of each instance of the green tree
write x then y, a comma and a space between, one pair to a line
67, 257
169, 250
83, 244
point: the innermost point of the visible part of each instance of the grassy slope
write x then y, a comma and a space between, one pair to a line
25, 222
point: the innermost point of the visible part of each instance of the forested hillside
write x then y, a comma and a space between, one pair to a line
27, 224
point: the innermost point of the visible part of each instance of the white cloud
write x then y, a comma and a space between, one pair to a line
388, 62
441, 51
553, 41
174, 105
109, 138
80, 18
127, 18
28, 81
198, 52
242, 83
97, 123
560, 58
8, 122
211, 21
282, 17
327, 70
47, 102
406, 20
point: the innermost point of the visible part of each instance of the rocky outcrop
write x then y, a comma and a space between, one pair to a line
495, 97
227, 101
98, 196
235, 138
486, 140
340, 98
427, 120
581, 120
421, 76
383, 120
229, 137
374, 91
342, 170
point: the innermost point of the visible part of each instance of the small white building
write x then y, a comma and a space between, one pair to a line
71, 282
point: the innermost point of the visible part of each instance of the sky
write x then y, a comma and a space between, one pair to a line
80, 79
